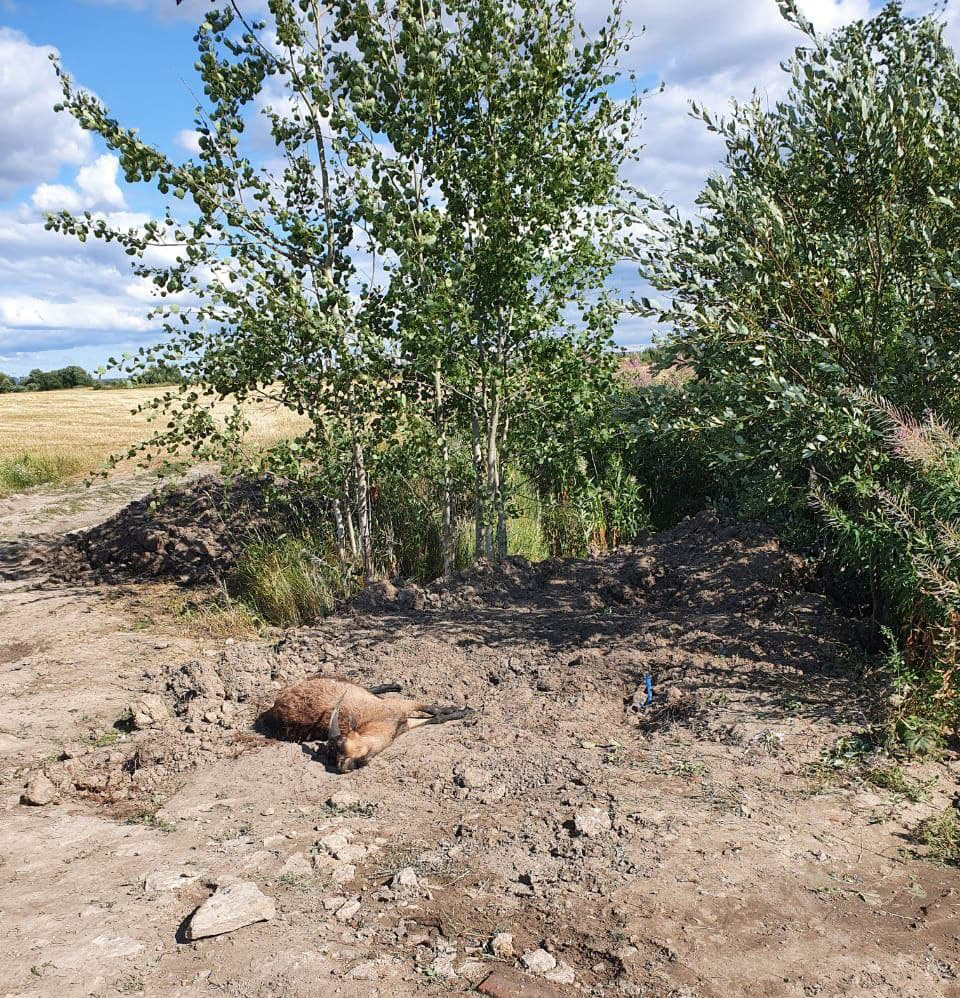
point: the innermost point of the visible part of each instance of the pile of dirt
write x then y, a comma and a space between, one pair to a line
190, 534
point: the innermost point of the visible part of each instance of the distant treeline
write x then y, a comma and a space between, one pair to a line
76, 377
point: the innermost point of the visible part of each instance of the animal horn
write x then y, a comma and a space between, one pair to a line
333, 729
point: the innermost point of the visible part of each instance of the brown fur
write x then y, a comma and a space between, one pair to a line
368, 723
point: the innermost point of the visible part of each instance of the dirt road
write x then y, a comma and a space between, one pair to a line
694, 848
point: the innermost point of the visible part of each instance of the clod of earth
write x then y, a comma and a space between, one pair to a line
591, 821
148, 710
230, 908
504, 983
39, 791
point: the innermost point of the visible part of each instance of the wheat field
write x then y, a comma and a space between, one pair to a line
48, 436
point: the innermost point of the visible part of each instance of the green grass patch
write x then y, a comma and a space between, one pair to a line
941, 835
894, 779
287, 581
27, 470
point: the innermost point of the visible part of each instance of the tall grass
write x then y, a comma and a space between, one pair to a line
23, 471
287, 581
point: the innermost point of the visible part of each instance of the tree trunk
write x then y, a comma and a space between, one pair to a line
479, 547
351, 534
341, 532
449, 548
494, 491
363, 511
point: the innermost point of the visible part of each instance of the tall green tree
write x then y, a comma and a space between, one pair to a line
491, 174
443, 200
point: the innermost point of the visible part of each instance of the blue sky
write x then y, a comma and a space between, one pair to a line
63, 303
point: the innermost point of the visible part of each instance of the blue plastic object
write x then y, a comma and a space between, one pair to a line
649, 691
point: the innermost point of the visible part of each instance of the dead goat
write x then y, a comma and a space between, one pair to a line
357, 723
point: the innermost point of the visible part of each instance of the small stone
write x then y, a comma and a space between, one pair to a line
229, 908
39, 791
443, 968
505, 982
272, 841
366, 971
470, 777
267, 811
168, 880
538, 961
347, 911
473, 971
343, 800
406, 877
333, 842
591, 821
501, 946
563, 974
296, 865
332, 904
493, 794
343, 873
148, 711
350, 853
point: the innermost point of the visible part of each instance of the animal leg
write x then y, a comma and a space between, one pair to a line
385, 688
439, 715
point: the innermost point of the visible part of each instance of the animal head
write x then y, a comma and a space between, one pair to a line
345, 750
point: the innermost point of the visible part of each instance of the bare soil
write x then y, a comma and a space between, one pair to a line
697, 847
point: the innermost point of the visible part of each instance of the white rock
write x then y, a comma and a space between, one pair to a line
501, 946
168, 880
296, 865
333, 842
366, 971
407, 877
538, 961
351, 853
332, 904
470, 777
39, 791
443, 968
230, 908
148, 710
563, 974
343, 873
347, 911
592, 821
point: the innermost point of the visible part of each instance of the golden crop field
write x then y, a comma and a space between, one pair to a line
76, 429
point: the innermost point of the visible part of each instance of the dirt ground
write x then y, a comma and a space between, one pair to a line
693, 848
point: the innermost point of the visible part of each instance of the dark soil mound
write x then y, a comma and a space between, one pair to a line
191, 534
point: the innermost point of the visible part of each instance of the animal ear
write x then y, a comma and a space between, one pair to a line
333, 728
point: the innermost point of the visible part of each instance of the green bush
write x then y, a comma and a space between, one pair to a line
814, 307
64, 377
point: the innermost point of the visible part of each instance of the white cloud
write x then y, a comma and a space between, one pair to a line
98, 183
189, 139
31, 312
34, 141
96, 187
56, 197
710, 51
